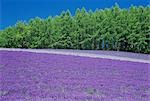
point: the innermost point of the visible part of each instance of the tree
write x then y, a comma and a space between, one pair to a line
104, 29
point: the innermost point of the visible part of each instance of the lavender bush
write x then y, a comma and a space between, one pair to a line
26, 76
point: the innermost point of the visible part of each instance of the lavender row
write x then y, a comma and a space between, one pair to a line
48, 77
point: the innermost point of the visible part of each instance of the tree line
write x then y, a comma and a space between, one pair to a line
103, 29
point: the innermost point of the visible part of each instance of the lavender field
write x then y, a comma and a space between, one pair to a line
27, 76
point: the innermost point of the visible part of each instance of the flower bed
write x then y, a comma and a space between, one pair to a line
26, 76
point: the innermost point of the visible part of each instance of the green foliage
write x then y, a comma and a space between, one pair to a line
107, 29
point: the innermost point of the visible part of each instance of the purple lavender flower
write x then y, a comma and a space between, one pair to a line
29, 76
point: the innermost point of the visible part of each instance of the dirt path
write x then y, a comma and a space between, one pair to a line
123, 56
